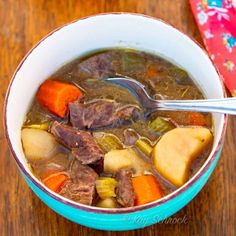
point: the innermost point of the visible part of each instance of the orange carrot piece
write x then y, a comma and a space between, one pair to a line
196, 118
55, 96
55, 181
46, 174
146, 189
152, 72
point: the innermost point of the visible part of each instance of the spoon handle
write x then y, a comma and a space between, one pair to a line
225, 105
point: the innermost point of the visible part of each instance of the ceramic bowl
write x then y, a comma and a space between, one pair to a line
95, 33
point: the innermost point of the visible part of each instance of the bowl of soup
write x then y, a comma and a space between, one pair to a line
87, 148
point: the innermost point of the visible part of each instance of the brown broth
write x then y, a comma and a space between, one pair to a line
162, 79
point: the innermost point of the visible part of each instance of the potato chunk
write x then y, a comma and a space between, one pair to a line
176, 150
108, 203
125, 158
38, 144
116, 159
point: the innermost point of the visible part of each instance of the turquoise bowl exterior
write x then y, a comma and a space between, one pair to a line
126, 221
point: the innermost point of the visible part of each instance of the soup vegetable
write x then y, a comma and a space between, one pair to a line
91, 141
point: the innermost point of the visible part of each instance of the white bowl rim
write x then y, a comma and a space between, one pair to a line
94, 209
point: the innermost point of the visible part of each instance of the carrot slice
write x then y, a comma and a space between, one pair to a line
146, 189
55, 96
196, 118
152, 72
55, 181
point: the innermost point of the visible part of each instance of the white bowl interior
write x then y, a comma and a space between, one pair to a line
106, 31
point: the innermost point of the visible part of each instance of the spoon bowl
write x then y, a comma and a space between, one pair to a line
225, 105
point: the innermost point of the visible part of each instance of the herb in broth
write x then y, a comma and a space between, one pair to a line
89, 141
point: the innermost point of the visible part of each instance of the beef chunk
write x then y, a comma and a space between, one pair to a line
100, 66
125, 190
98, 166
101, 113
95, 114
81, 186
89, 154
82, 143
125, 114
130, 137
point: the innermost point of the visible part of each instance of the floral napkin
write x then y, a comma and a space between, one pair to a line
216, 20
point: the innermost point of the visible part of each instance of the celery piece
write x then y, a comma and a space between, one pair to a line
105, 187
43, 126
108, 142
160, 125
144, 146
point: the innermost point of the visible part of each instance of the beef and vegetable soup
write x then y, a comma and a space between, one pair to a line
90, 141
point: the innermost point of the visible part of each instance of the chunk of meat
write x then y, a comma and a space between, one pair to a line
90, 154
82, 143
98, 166
100, 66
125, 191
81, 186
125, 115
93, 114
130, 136
101, 113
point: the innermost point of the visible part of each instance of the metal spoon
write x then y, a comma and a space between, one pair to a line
225, 105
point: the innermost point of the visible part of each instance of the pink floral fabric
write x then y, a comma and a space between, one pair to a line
216, 20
